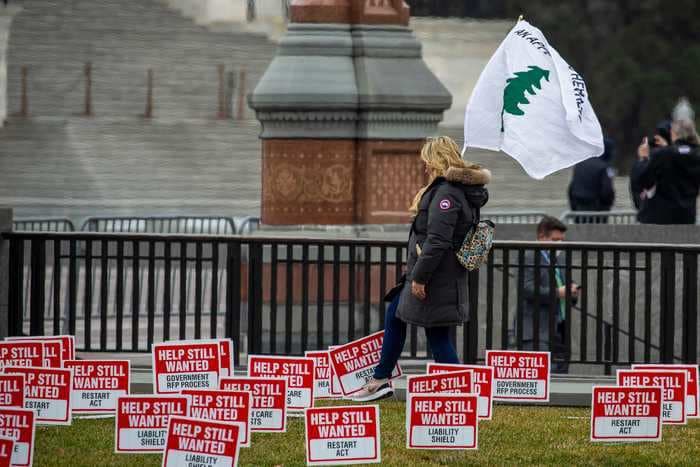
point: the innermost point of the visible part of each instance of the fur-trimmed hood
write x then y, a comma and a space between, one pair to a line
472, 175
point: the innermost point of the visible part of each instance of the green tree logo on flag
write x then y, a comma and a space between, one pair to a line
514, 92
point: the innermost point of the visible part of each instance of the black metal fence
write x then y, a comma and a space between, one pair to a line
122, 292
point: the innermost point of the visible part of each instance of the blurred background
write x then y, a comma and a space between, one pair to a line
138, 107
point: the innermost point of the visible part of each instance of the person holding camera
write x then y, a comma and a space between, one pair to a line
539, 299
668, 176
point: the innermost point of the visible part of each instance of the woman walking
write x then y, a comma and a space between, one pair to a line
433, 292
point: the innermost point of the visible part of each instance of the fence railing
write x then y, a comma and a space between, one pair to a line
513, 217
123, 292
213, 225
43, 224
621, 216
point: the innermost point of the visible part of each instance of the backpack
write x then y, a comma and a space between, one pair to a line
477, 244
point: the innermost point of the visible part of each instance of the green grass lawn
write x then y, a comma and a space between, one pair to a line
516, 435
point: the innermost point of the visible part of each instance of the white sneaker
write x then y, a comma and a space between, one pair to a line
375, 389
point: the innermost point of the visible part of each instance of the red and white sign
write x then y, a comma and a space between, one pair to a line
692, 388
519, 375
141, 423
222, 406
21, 353
482, 383
455, 382
67, 343
343, 435
53, 352
97, 384
442, 421
354, 362
298, 371
336, 392
201, 443
48, 392
269, 401
7, 447
626, 413
322, 377
11, 390
182, 365
18, 424
225, 355
673, 384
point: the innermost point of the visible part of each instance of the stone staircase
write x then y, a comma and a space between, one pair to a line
122, 40
183, 161
85, 167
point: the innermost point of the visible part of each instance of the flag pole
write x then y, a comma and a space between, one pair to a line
520, 18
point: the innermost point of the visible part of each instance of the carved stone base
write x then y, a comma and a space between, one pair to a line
311, 181
307, 181
389, 173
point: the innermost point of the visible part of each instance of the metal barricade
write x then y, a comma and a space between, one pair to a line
513, 217
622, 216
207, 225
43, 224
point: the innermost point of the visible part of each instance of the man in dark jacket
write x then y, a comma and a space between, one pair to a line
537, 298
591, 188
670, 177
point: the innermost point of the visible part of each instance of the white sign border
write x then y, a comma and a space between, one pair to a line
623, 440
167, 433
184, 343
299, 410
522, 399
284, 408
678, 366
378, 458
102, 411
409, 397
50, 422
458, 367
141, 396
684, 421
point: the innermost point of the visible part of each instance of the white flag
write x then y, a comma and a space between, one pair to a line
529, 103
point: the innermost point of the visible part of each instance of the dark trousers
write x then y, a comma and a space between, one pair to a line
559, 357
395, 338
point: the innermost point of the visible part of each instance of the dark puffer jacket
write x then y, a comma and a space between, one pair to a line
672, 177
445, 214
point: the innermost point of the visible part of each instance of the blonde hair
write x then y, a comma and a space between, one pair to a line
685, 130
439, 154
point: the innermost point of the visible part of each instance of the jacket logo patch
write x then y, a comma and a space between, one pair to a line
445, 204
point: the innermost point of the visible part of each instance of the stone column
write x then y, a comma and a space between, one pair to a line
6, 14
345, 107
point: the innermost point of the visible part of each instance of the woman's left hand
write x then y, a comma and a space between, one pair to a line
418, 290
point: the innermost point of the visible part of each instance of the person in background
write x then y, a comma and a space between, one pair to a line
669, 177
591, 187
549, 229
660, 138
433, 292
